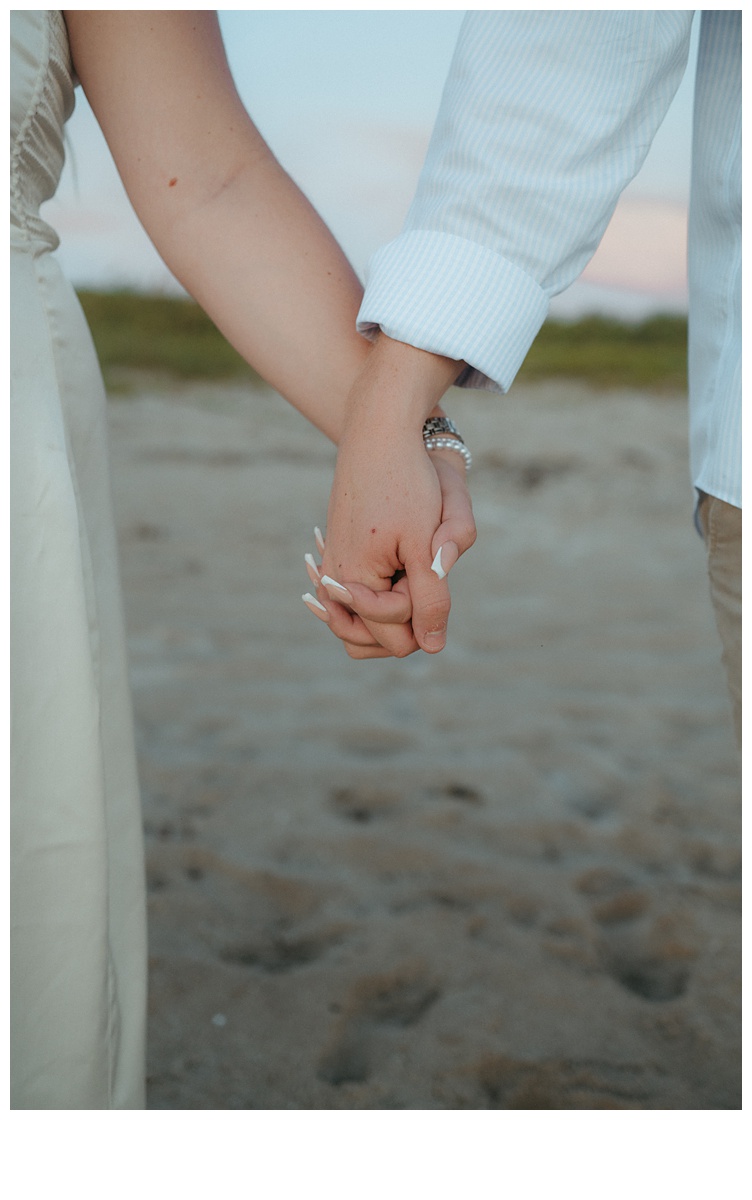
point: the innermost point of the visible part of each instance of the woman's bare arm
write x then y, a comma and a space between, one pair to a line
227, 219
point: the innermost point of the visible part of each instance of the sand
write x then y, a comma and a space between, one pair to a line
504, 877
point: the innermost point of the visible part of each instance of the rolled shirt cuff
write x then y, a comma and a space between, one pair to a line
451, 296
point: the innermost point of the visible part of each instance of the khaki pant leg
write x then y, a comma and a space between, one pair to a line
722, 528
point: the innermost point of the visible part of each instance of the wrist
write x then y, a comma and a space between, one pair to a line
400, 385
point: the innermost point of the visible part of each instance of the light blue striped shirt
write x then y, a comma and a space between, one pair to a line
545, 118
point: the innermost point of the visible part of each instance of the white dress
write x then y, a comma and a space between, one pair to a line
78, 943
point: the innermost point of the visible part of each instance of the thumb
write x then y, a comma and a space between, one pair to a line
431, 604
445, 553
457, 521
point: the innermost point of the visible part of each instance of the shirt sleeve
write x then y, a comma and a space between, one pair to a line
544, 120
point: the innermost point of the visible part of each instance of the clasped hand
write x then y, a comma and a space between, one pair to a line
382, 586
399, 517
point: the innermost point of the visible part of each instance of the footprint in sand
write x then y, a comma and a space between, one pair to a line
464, 793
268, 920
648, 977
363, 804
654, 963
500, 1081
722, 862
651, 960
282, 951
378, 1008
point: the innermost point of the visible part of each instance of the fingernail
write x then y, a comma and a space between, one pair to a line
340, 592
435, 639
315, 607
319, 538
313, 570
446, 557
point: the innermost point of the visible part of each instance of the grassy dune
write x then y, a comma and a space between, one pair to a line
170, 337
157, 335
608, 353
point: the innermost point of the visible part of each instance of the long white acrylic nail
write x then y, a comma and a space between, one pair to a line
337, 591
312, 568
319, 538
312, 602
436, 566
329, 582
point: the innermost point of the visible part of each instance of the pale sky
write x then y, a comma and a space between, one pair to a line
347, 99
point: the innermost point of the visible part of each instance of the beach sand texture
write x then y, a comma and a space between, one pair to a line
504, 877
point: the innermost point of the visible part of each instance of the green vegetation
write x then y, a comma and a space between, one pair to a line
607, 353
162, 335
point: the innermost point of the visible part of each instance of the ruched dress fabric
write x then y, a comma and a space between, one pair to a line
78, 932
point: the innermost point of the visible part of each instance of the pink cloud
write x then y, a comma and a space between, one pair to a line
643, 249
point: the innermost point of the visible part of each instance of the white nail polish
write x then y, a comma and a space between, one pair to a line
329, 582
319, 538
312, 601
436, 566
313, 569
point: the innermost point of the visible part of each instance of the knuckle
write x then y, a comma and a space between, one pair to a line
404, 651
361, 653
435, 612
469, 536
464, 533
